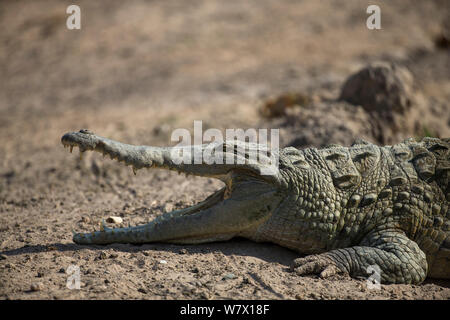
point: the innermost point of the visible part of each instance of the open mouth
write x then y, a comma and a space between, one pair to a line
247, 199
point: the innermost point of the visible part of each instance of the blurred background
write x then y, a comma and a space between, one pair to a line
138, 69
130, 57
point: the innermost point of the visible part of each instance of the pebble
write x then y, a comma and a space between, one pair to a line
102, 256
168, 207
182, 251
37, 286
101, 288
187, 288
141, 263
3, 257
89, 271
228, 276
115, 220
85, 219
163, 261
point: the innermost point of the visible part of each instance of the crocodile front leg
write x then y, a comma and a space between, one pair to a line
400, 260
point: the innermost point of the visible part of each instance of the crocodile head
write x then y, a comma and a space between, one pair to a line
253, 189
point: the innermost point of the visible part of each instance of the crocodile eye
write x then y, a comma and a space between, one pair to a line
301, 163
335, 156
296, 157
299, 160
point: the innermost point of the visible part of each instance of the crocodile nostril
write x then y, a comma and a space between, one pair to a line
86, 131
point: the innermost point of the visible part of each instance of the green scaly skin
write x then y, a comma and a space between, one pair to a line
346, 208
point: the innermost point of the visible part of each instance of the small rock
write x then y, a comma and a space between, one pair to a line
107, 281
62, 270
187, 289
115, 220
205, 295
142, 290
113, 255
100, 288
89, 282
102, 255
168, 207
40, 274
141, 263
228, 276
163, 262
182, 251
85, 219
195, 270
3, 257
37, 286
313, 295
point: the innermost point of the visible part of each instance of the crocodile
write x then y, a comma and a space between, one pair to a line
343, 209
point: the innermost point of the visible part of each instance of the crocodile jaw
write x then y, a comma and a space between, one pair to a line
245, 203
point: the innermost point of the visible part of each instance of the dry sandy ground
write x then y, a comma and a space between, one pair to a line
136, 71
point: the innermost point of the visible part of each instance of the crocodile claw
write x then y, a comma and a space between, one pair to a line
319, 264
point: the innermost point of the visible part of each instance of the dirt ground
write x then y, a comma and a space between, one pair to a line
139, 69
